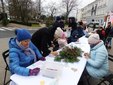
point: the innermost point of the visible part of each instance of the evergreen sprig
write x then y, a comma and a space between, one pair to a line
69, 54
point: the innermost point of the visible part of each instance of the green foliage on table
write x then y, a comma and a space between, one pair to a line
69, 54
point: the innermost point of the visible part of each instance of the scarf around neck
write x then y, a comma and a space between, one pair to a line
28, 51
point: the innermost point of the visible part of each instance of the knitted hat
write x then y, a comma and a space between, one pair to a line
22, 34
58, 18
93, 39
58, 33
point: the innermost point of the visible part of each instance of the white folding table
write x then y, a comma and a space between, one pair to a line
68, 76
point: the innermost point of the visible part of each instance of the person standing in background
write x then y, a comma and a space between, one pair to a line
72, 24
107, 30
62, 22
101, 33
109, 36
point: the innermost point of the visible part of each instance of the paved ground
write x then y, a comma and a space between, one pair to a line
4, 33
4, 46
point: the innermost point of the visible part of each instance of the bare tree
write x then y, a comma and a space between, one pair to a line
3, 9
51, 9
4, 17
37, 9
69, 5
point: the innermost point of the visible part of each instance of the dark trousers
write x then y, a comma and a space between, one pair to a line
84, 80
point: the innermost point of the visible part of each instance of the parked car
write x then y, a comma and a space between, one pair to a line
92, 26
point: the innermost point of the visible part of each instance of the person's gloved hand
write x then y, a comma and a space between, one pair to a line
34, 72
42, 58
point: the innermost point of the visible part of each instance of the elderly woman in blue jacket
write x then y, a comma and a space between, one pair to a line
23, 53
97, 62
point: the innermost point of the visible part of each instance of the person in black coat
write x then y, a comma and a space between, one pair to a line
80, 29
42, 39
108, 35
72, 23
62, 24
58, 23
108, 28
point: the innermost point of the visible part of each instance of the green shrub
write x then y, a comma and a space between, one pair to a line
22, 23
49, 23
5, 22
36, 25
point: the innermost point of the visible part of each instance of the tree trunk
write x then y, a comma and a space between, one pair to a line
3, 9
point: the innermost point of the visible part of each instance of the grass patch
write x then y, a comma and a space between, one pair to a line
35, 25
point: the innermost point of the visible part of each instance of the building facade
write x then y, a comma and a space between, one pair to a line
96, 11
79, 15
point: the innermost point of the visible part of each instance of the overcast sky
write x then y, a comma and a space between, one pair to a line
81, 3
85, 2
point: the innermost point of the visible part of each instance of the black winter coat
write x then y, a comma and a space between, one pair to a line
41, 39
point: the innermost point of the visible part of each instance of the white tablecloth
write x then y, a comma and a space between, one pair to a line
68, 76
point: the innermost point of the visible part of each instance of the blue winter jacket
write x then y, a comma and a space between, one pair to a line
97, 66
18, 60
